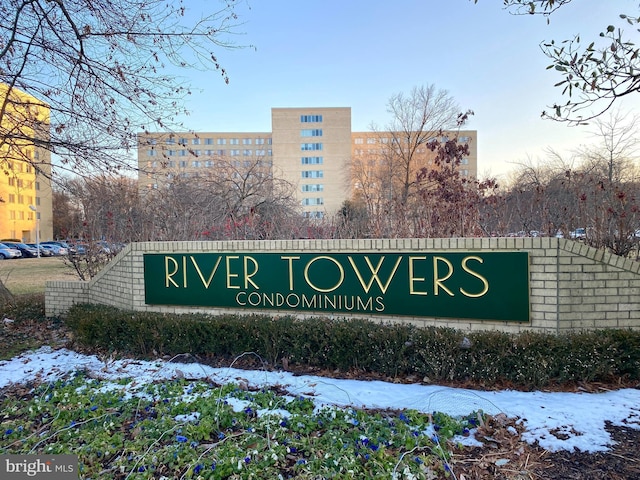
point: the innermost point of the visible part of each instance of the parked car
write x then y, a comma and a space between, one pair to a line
59, 243
44, 252
25, 250
81, 248
54, 249
7, 252
578, 233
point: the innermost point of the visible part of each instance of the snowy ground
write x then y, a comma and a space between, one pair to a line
579, 418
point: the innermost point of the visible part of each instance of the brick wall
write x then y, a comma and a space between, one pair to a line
572, 286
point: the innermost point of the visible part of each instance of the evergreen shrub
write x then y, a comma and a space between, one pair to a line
486, 358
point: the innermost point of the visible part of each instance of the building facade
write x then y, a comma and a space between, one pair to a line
311, 148
25, 186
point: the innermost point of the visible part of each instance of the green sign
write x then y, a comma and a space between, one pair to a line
477, 285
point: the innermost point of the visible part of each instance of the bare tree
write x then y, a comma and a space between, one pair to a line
98, 69
107, 205
234, 199
386, 175
67, 216
610, 199
415, 120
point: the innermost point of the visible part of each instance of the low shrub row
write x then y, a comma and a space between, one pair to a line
528, 360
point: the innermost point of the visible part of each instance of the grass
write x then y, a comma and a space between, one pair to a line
29, 275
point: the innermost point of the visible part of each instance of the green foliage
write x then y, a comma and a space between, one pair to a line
488, 358
181, 429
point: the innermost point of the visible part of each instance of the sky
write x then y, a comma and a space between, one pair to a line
358, 53
578, 418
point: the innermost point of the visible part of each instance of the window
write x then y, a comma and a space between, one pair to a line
208, 163
464, 172
12, 182
371, 140
12, 215
269, 152
170, 141
259, 141
464, 161
311, 132
183, 153
247, 153
222, 141
171, 153
313, 187
197, 153
171, 164
208, 141
20, 198
151, 141
261, 153
12, 198
384, 140
37, 185
221, 153
182, 141
246, 141
195, 141
235, 152
269, 141
183, 164
464, 139
234, 141
310, 146
208, 152
310, 118
311, 160
196, 163
312, 201
358, 141
151, 153
312, 174
315, 214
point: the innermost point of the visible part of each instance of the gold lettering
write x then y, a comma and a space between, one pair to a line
413, 279
168, 275
438, 281
206, 282
184, 271
374, 275
247, 276
484, 281
306, 274
229, 274
241, 302
290, 259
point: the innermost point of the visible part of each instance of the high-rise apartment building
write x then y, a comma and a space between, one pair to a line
25, 185
312, 148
